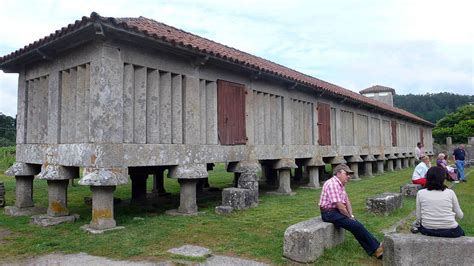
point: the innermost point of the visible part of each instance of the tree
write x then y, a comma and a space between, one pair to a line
458, 125
7, 130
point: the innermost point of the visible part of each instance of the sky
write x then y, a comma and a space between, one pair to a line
414, 47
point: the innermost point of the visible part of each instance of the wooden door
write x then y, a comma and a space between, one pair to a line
231, 113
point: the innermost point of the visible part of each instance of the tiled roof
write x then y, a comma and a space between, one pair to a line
176, 37
377, 88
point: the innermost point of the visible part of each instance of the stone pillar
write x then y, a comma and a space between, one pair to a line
449, 141
355, 168
368, 169
187, 196
24, 191
102, 208
284, 181
405, 162
313, 177
390, 165
102, 182
57, 198
159, 182
138, 187
412, 162
24, 174
398, 165
284, 172
380, 167
188, 176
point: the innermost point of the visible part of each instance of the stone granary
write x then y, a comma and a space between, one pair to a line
131, 97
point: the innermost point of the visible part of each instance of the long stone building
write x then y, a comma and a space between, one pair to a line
131, 97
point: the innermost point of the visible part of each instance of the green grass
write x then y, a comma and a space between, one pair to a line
255, 234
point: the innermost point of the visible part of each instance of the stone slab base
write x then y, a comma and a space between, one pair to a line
224, 209
280, 193
15, 211
94, 231
45, 220
410, 190
191, 251
174, 212
384, 203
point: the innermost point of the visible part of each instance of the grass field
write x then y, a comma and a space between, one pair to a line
255, 234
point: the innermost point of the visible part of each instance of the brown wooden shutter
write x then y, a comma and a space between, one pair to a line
231, 113
324, 123
394, 133
422, 137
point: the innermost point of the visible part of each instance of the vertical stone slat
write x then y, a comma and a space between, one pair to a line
128, 84
54, 106
71, 123
43, 110
30, 110
139, 105
82, 123
273, 123
65, 105
287, 116
152, 107
267, 118
260, 119
191, 132
165, 107
177, 109
279, 120
22, 109
87, 99
203, 113
211, 113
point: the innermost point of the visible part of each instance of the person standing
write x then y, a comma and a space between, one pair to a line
437, 207
419, 152
459, 156
337, 209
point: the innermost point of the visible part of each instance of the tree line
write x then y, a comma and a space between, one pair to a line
7, 130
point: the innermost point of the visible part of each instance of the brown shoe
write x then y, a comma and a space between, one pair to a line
379, 252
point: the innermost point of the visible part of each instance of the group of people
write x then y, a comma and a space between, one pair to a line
437, 206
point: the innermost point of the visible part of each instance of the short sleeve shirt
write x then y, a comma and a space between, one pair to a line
459, 154
333, 191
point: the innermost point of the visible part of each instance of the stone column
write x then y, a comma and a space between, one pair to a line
412, 162
405, 162
398, 165
24, 191
368, 169
390, 165
102, 182
24, 174
138, 187
188, 176
284, 181
159, 182
284, 172
313, 177
57, 198
355, 168
102, 208
187, 196
380, 167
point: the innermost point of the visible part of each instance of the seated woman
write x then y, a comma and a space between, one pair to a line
421, 169
441, 162
437, 207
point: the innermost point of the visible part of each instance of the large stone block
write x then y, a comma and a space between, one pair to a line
384, 203
417, 249
239, 198
410, 190
304, 242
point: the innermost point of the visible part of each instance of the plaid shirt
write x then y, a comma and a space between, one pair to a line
333, 191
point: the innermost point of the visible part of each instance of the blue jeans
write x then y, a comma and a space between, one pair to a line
366, 239
460, 167
452, 232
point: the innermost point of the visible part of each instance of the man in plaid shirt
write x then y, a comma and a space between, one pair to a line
336, 208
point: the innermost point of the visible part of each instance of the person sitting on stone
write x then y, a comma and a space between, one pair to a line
437, 207
336, 208
420, 171
441, 162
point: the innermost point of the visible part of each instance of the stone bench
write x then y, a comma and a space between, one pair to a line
410, 190
304, 242
384, 203
418, 249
